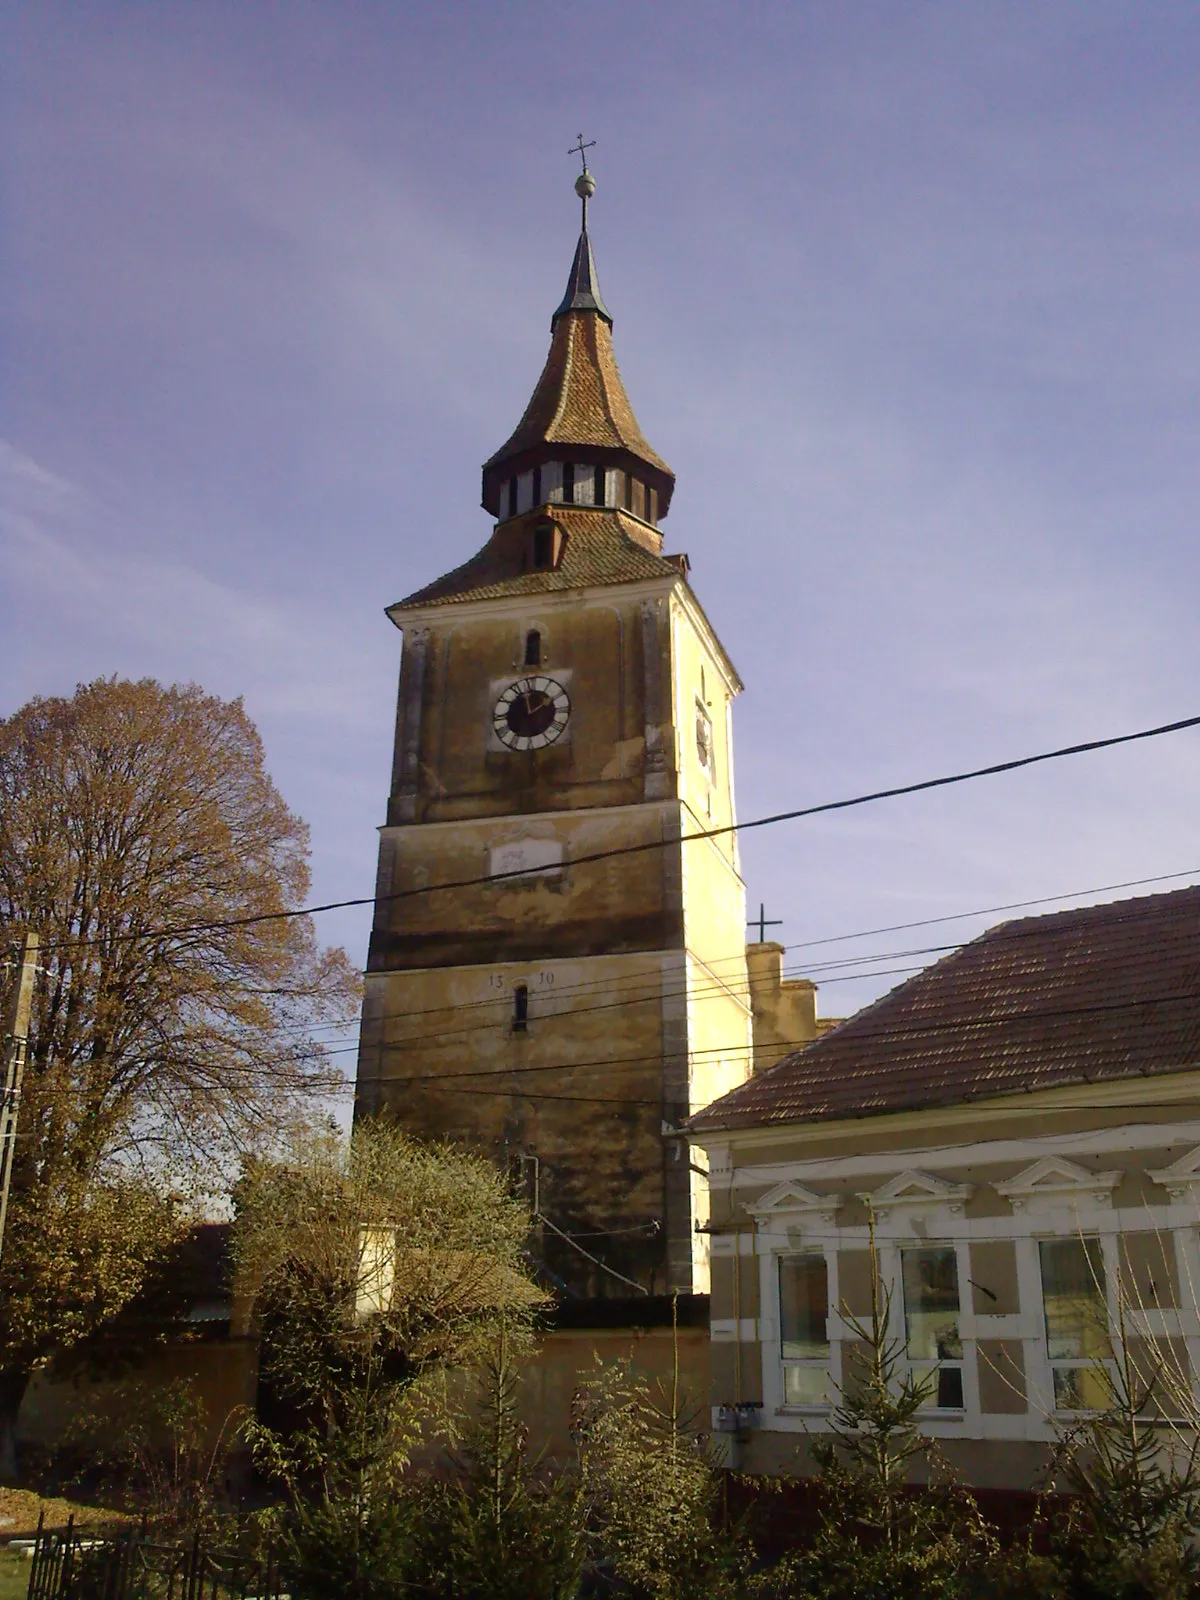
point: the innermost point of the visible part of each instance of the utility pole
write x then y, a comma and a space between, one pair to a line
16, 1037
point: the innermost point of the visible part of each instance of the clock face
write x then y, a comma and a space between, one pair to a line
704, 739
531, 713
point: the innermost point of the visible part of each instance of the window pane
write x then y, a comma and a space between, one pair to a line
1074, 1299
950, 1388
805, 1386
931, 1303
1081, 1389
803, 1307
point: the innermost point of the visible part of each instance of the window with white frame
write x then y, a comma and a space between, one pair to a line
804, 1328
929, 1275
1075, 1305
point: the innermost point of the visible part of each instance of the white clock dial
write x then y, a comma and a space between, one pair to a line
531, 713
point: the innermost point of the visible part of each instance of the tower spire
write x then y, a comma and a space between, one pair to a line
579, 424
583, 286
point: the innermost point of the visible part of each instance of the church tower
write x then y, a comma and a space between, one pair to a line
557, 970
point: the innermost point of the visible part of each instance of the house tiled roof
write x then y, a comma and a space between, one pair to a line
1095, 995
599, 548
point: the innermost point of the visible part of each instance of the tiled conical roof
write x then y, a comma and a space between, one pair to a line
579, 409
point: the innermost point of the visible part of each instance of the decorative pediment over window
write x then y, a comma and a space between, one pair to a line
1060, 1180
912, 1188
791, 1201
1181, 1179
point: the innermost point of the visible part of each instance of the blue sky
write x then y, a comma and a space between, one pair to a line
907, 295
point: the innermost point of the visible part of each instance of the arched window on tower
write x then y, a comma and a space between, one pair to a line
533, 648
520, 1014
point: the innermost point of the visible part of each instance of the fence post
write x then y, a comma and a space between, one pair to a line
67, 1551
38, 1557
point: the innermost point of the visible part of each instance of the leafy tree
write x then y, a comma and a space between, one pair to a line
142, 839
879, 1537
1133, 1527
653, 1491
153, 1445
375, 1266
505, 1529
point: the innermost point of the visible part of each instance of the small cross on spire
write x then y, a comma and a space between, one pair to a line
580, 149
585, 184
762, 922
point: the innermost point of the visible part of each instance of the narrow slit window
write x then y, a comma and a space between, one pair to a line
628, 491
533, 648
512, 497
651, 504
543, 546
930, 1276
537, 487
804, 1329
568, 482
520, 1014
598, 489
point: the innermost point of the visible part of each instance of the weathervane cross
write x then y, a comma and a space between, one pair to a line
762, 922
581, 149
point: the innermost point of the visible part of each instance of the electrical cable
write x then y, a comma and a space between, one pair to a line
896, 791
698, 992
604, 1267
805, 944
983, 1021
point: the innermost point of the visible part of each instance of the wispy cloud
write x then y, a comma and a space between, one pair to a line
144, 613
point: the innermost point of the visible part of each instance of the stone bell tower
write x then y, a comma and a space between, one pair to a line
557, 969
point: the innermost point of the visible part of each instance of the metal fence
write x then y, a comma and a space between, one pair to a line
77, 1564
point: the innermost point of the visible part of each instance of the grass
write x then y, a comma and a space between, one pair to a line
14, 1576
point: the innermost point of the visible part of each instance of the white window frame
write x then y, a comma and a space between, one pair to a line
791, 1220
917, 1368
806, 1363
1109, 1262
947, 1421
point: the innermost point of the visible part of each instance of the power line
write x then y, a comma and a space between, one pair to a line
641, 996
966, 1024
653, 970
699, 992
993, 769
651, 975
712, 993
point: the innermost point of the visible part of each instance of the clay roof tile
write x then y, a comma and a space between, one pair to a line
1094, 995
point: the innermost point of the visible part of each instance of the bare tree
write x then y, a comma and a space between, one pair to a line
142, 839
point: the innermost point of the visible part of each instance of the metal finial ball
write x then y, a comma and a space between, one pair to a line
585, 185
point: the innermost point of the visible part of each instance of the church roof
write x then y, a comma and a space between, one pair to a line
579, 402
599, 548
583, 286
1094, 995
